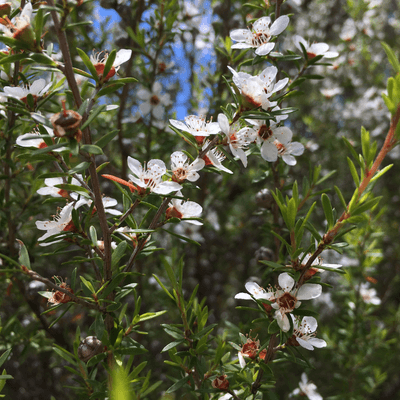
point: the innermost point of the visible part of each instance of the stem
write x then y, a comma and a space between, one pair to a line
123, 217
328, 238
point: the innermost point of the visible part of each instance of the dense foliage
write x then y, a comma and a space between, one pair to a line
204, 154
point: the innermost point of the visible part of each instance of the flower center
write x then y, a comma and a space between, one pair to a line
154, 100
180, 174
100, 69
259, 38
265, 132
172, 212
42, 145
281, 147
63, 193
207, 160
70, 227
311, 55
287, 302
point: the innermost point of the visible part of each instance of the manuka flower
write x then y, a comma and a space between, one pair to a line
184, 209
215, 158
196, 126
29, 140
315, 49
304, 334
259, 35
256, 90
154, 101
151, 177
108, 203
318, 262
52, 190
20, 28
369, 295
37, 89
256, 292
238, 138
287, 298
307, 389
61, 223
99, 61
276, 141
182, 170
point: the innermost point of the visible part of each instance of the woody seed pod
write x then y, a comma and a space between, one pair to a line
89, 347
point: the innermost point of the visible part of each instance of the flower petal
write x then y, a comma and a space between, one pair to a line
309, 291
286, 282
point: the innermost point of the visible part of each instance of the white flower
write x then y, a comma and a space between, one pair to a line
37, 89
238, 138
304, 333
54, 191
317, 262
99, 61
256, 292
100, 245
28, 139
306, 389
17, 26
287, 299
196, 126
315, 49
277, 142
154, 101
369, 295
259, 35
61, 223
256, 90
330, 92
151, 177
108, 203
215, 158
184, 209
181, 169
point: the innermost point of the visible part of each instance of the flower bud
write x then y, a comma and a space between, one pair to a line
66, 123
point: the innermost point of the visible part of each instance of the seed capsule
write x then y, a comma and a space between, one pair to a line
89, 347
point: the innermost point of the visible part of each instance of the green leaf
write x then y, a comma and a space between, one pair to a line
380, 173
83, 166
327, 206
110, 88
23, 255
127, 80
341, 198
92, 149
162, 286
366, 206
99, 328
88, 284
392, 57
88, 63
172, 345
365, 144
93, 235
353, 171
4, 356
109, 62
273, 327
42, 58
118, 253
93, 115
104, 140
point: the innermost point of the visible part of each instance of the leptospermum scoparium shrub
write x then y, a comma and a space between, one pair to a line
133, 225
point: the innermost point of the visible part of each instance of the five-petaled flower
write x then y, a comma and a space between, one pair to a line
237, 137
315, 49
256, 90
52, 190
61, 223
306, 389
182, 170
37, 89
154, 101
151, 178
304, 334
288, 298
184, 209
196, 126
276, 142
215, 158
99, 61
259, 35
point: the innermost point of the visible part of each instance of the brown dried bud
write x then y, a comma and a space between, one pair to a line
59, 297
220, 382
89, 347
